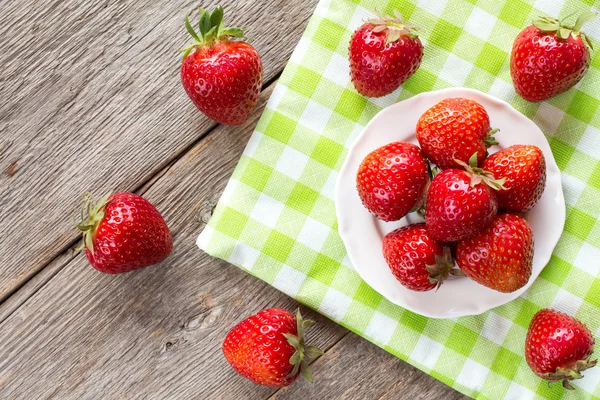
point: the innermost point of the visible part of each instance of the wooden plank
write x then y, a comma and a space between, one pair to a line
357, 369
90, 99
153, 333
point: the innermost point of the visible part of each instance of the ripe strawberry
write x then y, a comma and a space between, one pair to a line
558, 347
455, 129
223, 77
268, 348
501, 256
391, 180
524, 168
460, 203
124, 232
549, 58
384, 53
417, 260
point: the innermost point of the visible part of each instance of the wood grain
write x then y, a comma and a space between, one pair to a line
357, 369
90, 99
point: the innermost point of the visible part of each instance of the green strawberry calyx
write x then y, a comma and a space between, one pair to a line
444, 266
304, 353
563, 31
570, 373
394, 27
92, 213
210, 29
479, 175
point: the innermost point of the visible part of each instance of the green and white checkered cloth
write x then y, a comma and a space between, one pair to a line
276, 218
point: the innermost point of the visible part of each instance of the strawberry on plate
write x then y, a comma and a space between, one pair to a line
391, 180
460, 203
549, 57
384, 53
558, 347
501, 256
268, 348
123, 232
455, 129
524, 168
221, 73
417, 260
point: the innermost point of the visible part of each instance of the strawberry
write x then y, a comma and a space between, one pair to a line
391, 180
384, 53
549, 57
417, 260
460, 203
501, 256
222, 76
268, 348
524, 168
455, 129
558, 347
123, 232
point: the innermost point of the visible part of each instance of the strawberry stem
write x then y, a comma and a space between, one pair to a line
563, 31
479, 175
570, 373
444, 266
210, 29
304, 353
394, 27
88, 225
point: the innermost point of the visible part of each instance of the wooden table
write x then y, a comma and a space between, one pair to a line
90, 99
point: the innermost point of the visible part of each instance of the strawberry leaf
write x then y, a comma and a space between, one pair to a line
584, 18
392, 35
313, 352
189, 28
588, 40
564, 33
234, 32
204, 23
216, 17
546, 26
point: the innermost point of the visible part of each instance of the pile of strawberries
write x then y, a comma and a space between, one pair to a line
461, 202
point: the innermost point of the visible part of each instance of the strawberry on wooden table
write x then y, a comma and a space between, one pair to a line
524, 168
269, 349
461, 203
558, 347
220, 72
391, 180
549, 57
123, 232
455, 129
501, 256
384, 53
417, 260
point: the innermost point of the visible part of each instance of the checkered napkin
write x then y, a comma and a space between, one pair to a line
276, 218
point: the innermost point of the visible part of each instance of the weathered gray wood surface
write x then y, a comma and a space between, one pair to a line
66, 108
90, 99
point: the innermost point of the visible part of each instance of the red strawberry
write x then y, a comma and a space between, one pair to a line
558, 347
549, 58
124, 232
416, 259
524, 168
268, 348
391, 180
455, 129
384, 53
460, 203
223, 77
501, 256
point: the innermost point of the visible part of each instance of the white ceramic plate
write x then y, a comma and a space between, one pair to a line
362, 233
